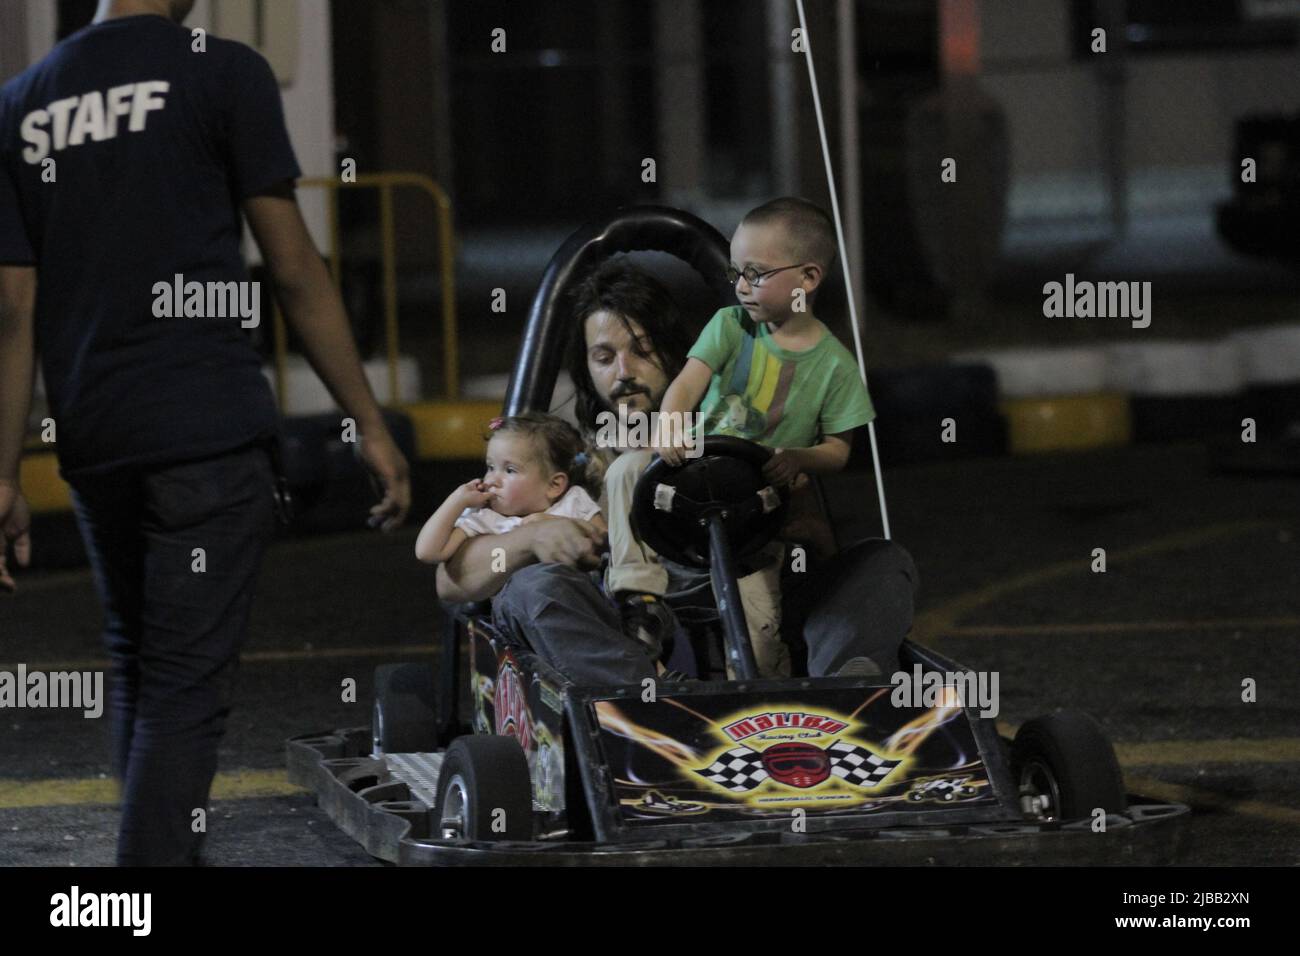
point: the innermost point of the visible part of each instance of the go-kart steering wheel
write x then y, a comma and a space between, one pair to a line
671, 505
707, 512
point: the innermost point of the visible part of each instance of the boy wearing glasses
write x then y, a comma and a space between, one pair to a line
768, 371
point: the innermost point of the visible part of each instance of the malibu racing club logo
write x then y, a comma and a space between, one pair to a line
789, 748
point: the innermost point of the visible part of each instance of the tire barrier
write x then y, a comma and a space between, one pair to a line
1025, 401
451, 430
1057, 399
1068, 422
1076, 398
912, 406
1179, 390
1040, 373
1270, 363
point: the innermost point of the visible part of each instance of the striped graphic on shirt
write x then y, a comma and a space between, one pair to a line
740, 371
776, 410
761, 376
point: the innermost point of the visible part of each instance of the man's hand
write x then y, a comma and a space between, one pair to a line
314, 311
570, 541
15, 528
387, 463
784, 466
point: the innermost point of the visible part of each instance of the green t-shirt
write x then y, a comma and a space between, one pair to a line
772, 396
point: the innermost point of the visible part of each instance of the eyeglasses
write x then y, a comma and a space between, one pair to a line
753, 276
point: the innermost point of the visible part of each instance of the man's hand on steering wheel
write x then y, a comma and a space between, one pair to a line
785, 465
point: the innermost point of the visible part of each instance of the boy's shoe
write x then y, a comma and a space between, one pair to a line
648, 620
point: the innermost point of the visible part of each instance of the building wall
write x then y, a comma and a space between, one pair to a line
1181, 110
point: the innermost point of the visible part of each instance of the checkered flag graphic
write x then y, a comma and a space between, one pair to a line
739, 769
859, 766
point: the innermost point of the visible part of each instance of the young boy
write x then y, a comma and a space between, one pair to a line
769, 371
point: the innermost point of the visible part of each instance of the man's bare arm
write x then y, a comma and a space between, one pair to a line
469, 574
313, 309
17, 363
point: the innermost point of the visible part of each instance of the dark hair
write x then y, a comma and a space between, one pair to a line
623, 290
557, 443
810, 233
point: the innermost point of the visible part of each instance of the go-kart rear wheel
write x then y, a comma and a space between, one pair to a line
484, 791
405, 717
1066, 768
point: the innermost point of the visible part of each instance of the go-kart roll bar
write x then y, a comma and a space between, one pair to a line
629, 229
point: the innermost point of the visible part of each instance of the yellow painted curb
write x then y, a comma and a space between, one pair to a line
38, 476
452, 430
1068, 422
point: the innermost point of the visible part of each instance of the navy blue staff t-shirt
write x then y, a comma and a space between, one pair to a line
154, 147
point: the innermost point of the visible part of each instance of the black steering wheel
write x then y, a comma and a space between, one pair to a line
672, 507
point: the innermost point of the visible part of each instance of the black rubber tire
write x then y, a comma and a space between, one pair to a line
1074, 748
405, 717
493, 773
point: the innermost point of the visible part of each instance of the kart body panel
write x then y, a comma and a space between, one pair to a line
623, 778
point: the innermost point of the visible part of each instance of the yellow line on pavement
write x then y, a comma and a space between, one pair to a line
943, 619
1201, 799
1191, 753
235, 785
258, 657
1123, 627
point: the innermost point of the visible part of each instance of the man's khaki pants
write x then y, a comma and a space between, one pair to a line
634, 566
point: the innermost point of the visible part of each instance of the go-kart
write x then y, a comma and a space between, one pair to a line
722, 769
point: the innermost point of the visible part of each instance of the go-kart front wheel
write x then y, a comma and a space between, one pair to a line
484, 791
1065, 768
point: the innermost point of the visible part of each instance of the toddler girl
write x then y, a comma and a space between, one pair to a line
536, 468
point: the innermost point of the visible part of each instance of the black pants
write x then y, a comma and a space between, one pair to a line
861, 605
175, 551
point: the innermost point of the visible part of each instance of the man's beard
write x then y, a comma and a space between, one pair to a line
622, 397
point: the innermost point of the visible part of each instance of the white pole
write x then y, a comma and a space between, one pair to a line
848, 275
846, 57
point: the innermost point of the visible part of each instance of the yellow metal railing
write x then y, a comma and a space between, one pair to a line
386, 183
